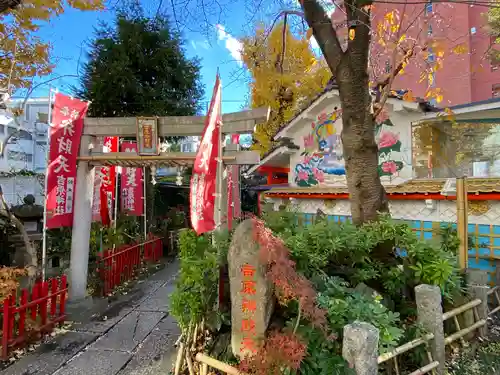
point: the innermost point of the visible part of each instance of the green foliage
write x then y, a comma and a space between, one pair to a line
494, 25
59, 241
338, 256
196, 288
137, 66
127, 231
323, 355
221, 242
346, 250
343, 307
102, 238
176, 218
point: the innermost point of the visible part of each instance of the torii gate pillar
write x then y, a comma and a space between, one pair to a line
82, 220
234, 123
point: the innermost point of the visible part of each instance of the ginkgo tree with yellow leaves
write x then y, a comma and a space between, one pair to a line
285, 75
25, 56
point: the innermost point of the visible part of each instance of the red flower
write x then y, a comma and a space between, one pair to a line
387, 139
389, 167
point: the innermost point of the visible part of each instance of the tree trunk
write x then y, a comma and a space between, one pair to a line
367, 195
25, 254
350, 68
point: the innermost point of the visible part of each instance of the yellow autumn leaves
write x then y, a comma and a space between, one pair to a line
282, 78
24, 56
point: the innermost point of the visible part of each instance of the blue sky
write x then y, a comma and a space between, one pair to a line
70, 32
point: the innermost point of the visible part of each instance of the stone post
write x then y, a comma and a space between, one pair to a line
360, 347
497, 273
477, 277
481, 292
430, 315
473, 277
80, 239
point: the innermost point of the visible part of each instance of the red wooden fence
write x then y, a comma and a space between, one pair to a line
118, 265
29, 318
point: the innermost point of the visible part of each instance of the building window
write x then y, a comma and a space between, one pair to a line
428, 8
17, 156
495, 90
431, 57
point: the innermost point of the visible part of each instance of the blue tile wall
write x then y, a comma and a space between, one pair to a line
486, 238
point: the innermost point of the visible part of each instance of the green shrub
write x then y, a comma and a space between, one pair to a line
343, 249
385, 255
197, 283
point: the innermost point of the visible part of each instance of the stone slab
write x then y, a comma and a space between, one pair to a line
158, 301
167, 274
155, 354
102, 323
52, 355
129, 332
149, 287
92, 362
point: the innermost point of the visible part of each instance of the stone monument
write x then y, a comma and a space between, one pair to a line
252, 295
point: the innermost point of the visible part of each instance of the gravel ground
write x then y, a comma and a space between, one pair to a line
481, 357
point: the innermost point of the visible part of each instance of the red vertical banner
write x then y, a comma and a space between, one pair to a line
230, 197
65, 135
105, 180
204, 178
131, 185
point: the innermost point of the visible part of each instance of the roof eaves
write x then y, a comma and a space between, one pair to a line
424, 105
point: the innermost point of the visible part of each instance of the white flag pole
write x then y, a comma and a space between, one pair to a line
220, 165
47, 147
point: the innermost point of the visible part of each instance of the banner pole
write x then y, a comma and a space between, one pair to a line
47, 147
115, 213
144, 198
220, 169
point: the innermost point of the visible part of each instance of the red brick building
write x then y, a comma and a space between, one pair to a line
464, 77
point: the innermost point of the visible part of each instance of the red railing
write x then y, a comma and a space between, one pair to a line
29, 318
118, 265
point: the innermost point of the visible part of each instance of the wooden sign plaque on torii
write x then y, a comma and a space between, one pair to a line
233, 123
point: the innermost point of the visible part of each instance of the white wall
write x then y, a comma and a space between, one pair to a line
29, 154
401, 128
441, 211
16, 188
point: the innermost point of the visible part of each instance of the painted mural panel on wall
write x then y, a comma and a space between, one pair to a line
389, 146
322, 155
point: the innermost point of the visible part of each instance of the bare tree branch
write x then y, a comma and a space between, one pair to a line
324, 33
5, 141
386, 84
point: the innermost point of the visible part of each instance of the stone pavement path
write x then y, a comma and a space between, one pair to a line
135, 336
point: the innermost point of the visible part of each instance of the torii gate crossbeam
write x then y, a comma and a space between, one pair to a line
233, 123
